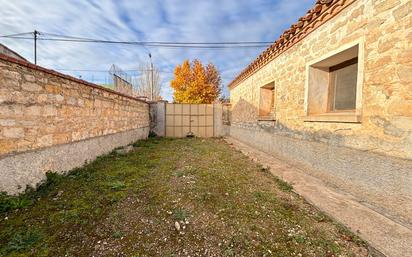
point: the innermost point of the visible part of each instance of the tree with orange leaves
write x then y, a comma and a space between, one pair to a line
195, 83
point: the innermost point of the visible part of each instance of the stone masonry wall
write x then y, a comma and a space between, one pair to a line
53, 122
40, 108
385, 27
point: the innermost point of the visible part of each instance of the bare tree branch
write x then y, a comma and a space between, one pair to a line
143, 82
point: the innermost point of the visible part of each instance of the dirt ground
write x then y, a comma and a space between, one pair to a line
170, 197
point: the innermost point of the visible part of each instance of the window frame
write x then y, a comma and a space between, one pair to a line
350, 116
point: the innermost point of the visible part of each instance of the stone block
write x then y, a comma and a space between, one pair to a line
402, 11
31, 87
402, 122
59, 98
32, 110
42, 98
13, 132
29, 78
46, 140
7, 122
7, 146
72, 101
49, 110
405, 73
12, 75
383, 5
53, 89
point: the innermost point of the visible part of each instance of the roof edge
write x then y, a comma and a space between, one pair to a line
320, 13
64, 76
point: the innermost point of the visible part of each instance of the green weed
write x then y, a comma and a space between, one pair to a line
9, 203
180, 214
117, 234
24, 241
117, 185
283, 185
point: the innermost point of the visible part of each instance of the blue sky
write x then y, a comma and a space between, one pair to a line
149, 20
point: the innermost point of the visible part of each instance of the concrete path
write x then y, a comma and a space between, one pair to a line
383, 234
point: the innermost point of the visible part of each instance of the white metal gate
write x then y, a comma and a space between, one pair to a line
185, 119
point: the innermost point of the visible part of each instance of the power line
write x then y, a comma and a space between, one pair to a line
91, 70
147, 44
164, 44
18, 34
66, 38
98, 70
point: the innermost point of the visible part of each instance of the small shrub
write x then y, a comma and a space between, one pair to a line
118, 234
320, 217
283, 185
180, 214
152, 134
180, 173
117, 185
258, 195
300, 239
52, 180
348, 235
136, 144
24, 241
117, 197
69, 216
8, 202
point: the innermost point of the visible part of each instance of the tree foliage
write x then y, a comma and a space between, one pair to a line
196, 83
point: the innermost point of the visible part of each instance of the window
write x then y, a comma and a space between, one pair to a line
333, 88
267, 102
343, 80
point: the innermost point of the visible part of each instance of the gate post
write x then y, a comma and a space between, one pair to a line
218, 120
158, 118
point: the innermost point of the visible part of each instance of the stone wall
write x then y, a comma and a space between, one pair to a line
41, 109
385, 29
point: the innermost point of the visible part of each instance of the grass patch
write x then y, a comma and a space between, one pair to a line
128, 205
9, 203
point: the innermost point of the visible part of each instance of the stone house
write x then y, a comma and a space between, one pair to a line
334, 93
122, 86
9, 52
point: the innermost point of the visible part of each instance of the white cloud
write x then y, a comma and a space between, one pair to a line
168, 20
